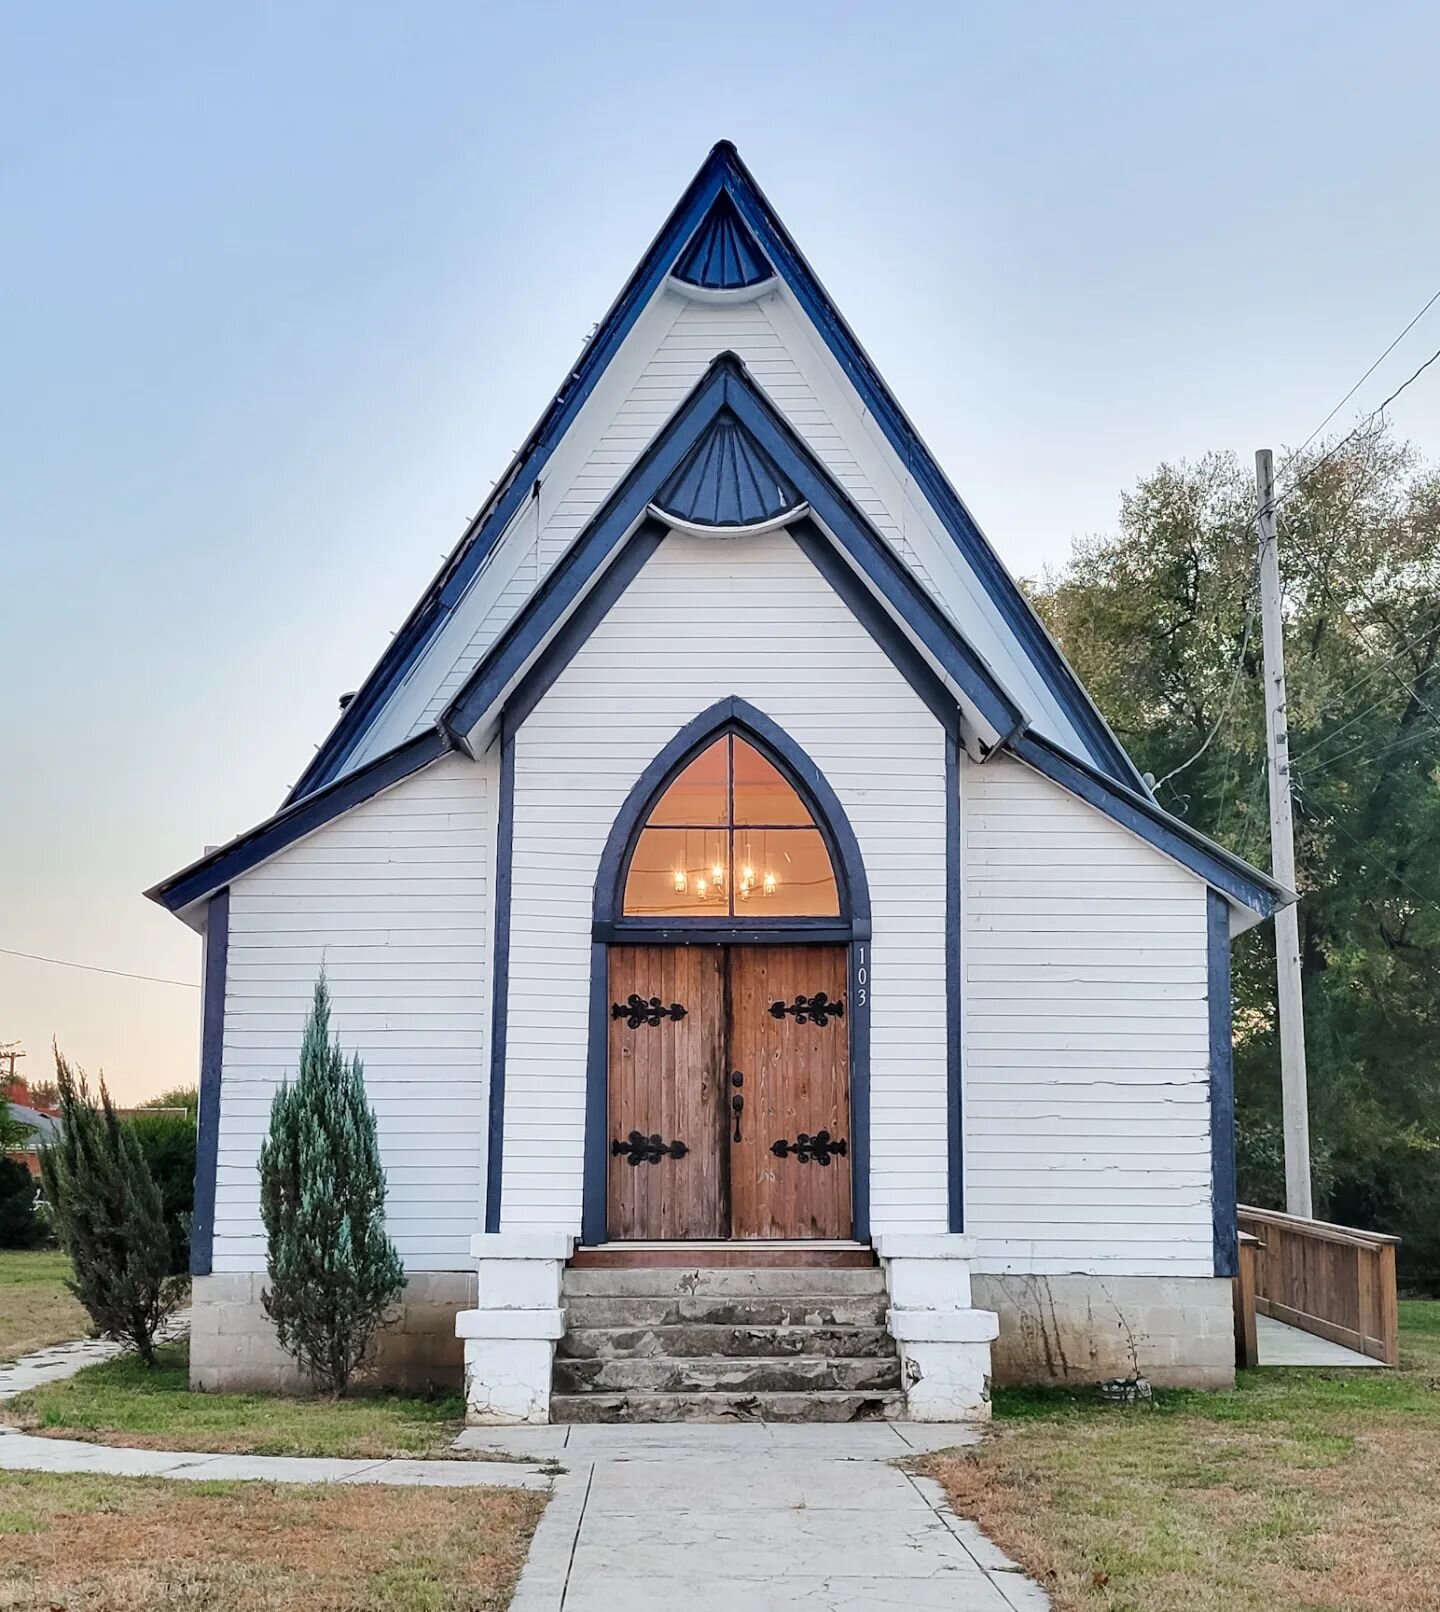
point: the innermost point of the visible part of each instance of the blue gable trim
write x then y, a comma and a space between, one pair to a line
1222, 1087
1139, 813
723, 255
212, 1044
725, 388
519, 481
736, 715
727, 479
294, 822
722, 174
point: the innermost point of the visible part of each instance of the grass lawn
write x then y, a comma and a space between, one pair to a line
36, 1308
144, 1545
121, 1402
1316, 1490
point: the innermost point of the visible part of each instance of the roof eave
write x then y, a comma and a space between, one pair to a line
1250, 891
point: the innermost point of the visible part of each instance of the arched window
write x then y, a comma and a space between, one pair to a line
731, 838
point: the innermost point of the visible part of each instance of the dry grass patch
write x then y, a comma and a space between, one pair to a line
1317, 1491
36, 1308
76, 1543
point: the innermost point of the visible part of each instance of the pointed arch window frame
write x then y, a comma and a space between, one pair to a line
732, 716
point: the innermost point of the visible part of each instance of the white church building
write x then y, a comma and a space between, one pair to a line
779, 993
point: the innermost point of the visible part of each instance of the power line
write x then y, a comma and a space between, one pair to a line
92, 968
1373, 671
1358, 384
1359, 844
1289, 492
1426, 731
1325, 458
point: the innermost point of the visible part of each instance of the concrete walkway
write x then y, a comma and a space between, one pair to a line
706, 1518
756, 1517
24, 1452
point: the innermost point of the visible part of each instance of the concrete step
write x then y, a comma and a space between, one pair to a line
791, 1374
739, 1341
779, 1282
728, 1407
793, 1310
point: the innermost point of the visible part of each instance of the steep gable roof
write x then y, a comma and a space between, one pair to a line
727, 422
722, 239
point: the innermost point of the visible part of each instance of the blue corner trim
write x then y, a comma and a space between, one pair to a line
954, 1045
212, 1048
730, 715
500, 986
1211, 862
1222, 1088
727, 479
722, 254
722, 173
725, 387
294, 822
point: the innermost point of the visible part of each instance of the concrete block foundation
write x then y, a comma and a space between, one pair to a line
1177, 1331
233, 1347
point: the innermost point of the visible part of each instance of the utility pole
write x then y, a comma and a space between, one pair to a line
1294, 1098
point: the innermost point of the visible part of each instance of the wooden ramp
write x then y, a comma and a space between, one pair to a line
1281, 1345
1331, 1286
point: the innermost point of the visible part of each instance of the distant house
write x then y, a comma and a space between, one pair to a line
43, 1126
768, 964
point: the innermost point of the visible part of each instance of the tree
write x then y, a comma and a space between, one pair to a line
20, 1225
108, 1217
1159, 619
333, 1271
168, 1143
186, 1097
14, 1133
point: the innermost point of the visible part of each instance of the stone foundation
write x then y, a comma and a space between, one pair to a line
233, 1347
1176, 1331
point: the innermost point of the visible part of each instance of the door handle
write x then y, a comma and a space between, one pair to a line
737, 1103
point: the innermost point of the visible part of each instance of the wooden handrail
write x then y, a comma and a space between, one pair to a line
1322, 1229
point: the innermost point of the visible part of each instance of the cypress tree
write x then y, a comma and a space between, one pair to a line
108, 1217
333, 1270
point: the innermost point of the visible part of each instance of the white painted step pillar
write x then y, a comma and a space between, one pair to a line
510, 1338
944, 1341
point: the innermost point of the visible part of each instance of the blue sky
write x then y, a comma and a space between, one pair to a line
284, 285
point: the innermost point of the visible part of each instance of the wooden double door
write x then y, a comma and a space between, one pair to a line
729, 1088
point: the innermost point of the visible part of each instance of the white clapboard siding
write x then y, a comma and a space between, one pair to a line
393, 899
659, 362
706, 619
1087, 1121
697, 333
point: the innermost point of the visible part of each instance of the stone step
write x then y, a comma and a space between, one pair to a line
793, 1310
779, 1282
716, 1374
814, 1406
737, 1341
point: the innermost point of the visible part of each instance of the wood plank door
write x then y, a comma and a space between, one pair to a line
789, 1046
666, 1175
